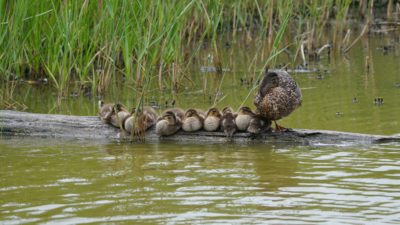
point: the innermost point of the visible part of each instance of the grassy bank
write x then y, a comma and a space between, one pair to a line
90, 44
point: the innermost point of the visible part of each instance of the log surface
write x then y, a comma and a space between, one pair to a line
15, 123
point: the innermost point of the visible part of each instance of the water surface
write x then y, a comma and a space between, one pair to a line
52, 181
72, 181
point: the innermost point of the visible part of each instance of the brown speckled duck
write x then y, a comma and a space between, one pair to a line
213, 120
169, 123
194, 120
278, 96
228, 123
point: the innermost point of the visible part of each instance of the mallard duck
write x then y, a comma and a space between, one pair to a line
213, 120
228, 122
168, 124
258, 124
243, 118
120, 113
194, 120
146, 118
278, 96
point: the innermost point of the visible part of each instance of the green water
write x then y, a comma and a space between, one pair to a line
73, 181
64, 182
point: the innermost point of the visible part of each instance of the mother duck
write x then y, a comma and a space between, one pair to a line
277, 97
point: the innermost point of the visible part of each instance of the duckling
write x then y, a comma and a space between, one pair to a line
179, 113
120, 114
213, 120
243, 118
228, 122
105, 111
258, 124
168, 124
146, 118
194, 120
278, 96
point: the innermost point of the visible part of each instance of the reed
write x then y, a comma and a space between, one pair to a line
92, 44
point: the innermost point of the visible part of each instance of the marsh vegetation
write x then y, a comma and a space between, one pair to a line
157, 52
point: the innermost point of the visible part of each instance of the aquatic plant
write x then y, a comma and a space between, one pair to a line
90, 45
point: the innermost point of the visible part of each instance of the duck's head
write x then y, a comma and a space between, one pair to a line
191, 113
270, 80
170, 117
244, 110
118, 107
214, 112
227, 110
101, 103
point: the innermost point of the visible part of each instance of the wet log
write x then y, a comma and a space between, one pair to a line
15, 123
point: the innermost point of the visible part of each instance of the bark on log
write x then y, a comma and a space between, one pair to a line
14, 123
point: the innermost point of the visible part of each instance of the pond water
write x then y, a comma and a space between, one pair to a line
73, 181
69, 182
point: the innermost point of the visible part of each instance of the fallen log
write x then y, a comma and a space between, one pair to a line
15, 123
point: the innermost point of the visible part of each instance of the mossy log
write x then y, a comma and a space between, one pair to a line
14, 123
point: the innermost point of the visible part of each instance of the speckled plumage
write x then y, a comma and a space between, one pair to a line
228, 123
243, 118
278, 96
194, 120
168, 124
258, 124
146, 118
212, 121
108, 113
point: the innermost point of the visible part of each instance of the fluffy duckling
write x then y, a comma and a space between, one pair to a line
228, 123
146, 118
120, 114
180, 113
194, 120
258, 124
243, 118
213, 120
105, 111
168, 124
278, 96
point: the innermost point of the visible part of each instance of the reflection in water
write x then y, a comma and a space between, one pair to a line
60, 182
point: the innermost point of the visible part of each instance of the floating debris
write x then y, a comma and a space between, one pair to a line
378, 101
212, 69
299, 69
38, 81
385, 48
339, 114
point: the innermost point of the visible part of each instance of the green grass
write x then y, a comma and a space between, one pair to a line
90, 44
